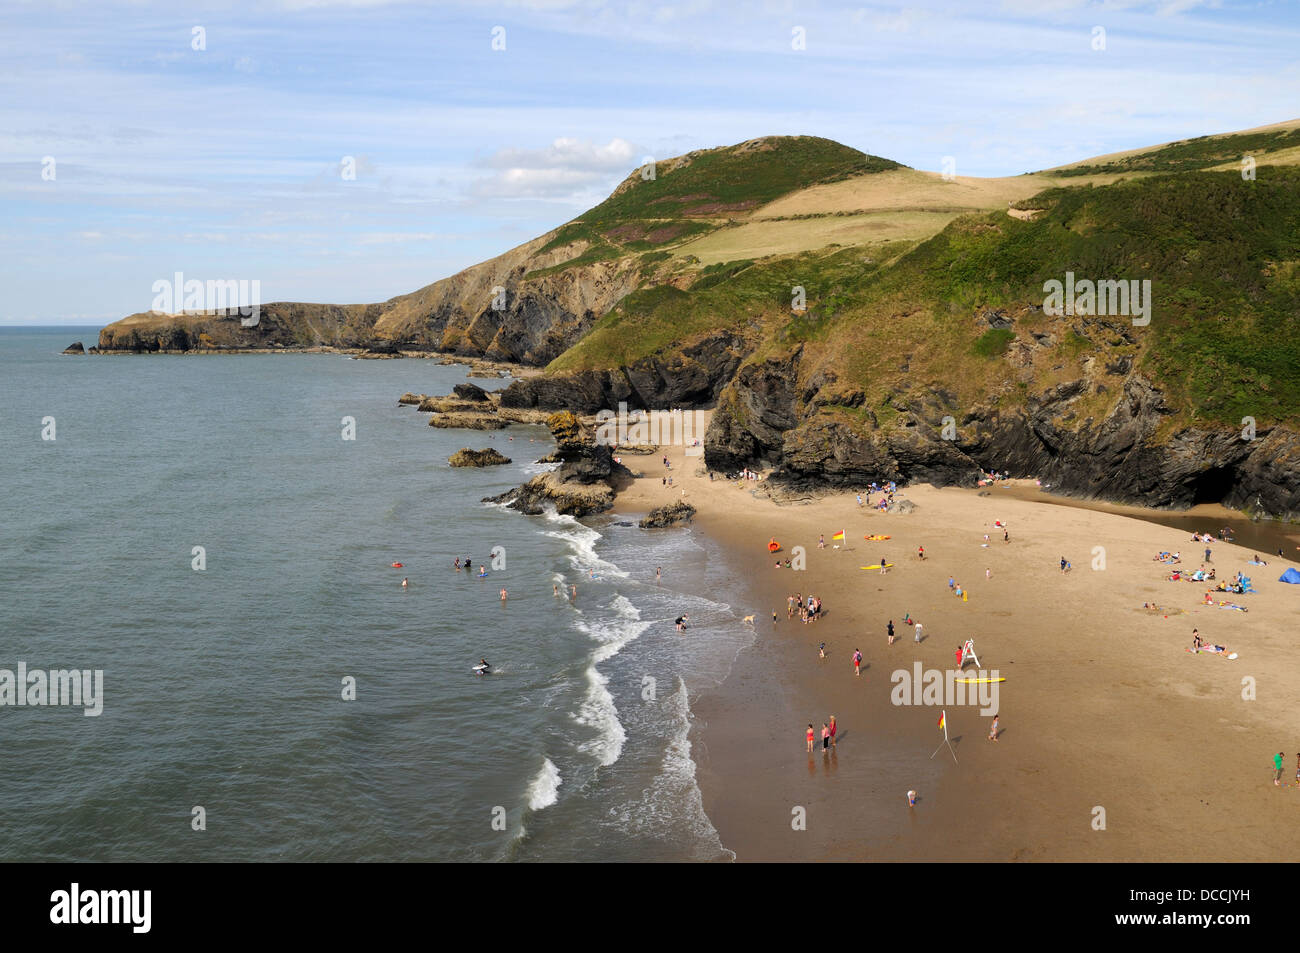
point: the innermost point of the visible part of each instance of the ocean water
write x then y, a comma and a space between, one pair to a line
223, 687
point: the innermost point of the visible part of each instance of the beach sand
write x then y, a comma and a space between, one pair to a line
1116, 744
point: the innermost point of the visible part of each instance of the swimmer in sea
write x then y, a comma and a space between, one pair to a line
503, 594
403, 582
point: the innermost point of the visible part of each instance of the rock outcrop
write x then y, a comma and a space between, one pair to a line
477, 458
582, 484
669, 514
75, 347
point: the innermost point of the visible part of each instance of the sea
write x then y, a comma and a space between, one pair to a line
215, 536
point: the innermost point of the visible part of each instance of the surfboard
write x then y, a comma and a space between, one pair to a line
877, 566
979, 681
479, 668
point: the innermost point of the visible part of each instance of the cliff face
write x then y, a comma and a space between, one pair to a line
488, 311
1119, 457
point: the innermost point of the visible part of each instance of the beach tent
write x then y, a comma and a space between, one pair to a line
1290, 576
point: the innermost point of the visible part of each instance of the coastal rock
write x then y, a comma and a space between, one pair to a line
75, 347
668, 515
467, 421
583, 483
477, 458
409, 398
470, 392
691, 376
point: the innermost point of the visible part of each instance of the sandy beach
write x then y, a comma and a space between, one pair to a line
1116, 744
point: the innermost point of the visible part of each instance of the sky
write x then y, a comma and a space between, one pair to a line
353, 150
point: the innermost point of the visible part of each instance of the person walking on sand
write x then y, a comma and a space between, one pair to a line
889, 630
918, 632
920, 552
1006, 536
1277, 769
857, 671
988, 573
826, 737
810, 737
951, 584
993, 729
821, 540
832, 731
821, 650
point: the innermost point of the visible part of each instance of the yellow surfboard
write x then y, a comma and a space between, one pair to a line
979, 681
877, 566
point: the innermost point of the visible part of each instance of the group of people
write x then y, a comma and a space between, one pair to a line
1200, 645
809, 609
828, 735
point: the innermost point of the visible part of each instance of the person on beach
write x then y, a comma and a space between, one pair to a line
883, 565
1207, 554
1006, 536
1277, 769
681, 621
774, 617
957, 591
826, 740
951, 584
860, 503
832, 731
810, 737
1297, 769
889, 630
404, 582
959, 654
456, 564
821, 541
988, 573
918, 632
920, 552
857, 666
1063, 565
993, 729
659, 573
821, 650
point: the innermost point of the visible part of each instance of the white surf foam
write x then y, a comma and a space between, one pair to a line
544, 789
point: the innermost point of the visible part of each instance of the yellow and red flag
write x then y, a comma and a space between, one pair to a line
941, 717
839, 535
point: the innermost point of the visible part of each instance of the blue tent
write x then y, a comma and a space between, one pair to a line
1290, 576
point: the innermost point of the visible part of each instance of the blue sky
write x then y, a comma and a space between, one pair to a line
225, 162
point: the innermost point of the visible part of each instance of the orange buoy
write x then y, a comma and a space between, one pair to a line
773, 546
397, 565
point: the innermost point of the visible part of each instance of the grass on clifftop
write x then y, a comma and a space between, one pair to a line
688, 199
1190, 155
1222, 256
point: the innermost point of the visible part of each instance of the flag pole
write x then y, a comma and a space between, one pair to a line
943, 718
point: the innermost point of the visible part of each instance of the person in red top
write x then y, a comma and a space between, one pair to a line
810, 738
959, 657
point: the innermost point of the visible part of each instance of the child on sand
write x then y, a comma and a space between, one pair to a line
821, 650
857, 670
993, 732
810, 737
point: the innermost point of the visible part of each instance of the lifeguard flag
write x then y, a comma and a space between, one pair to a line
941, 714
839, 535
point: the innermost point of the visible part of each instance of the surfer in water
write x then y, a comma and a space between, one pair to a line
681, 622
483, 668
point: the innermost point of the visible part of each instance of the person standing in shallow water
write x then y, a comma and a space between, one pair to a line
810, 737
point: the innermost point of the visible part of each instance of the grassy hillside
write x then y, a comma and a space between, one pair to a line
699, 192
1222, 255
